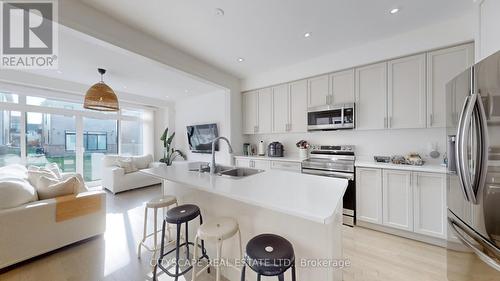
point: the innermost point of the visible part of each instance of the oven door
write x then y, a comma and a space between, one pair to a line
349, 200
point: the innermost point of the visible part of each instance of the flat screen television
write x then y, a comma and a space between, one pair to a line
200, 138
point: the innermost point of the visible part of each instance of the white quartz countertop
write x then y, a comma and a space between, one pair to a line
431, 168
306, 196
257, 157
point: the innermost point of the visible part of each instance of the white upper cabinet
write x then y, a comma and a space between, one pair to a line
369, 195
397, 199
280, 109
429, 191
342, 84
318, 91
250, 112
265, 110
442, 66
406, 92
371, 96
298, 106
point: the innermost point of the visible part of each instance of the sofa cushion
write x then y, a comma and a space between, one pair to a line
142, 162
16, 192
109, 160
50, 188
127, 165
35, 174
54, 168
15, 170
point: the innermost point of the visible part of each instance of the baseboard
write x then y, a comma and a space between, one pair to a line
406, 234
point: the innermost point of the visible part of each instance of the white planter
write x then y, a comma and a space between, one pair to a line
303, 153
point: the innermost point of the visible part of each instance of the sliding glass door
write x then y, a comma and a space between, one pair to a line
51, 138
100, 137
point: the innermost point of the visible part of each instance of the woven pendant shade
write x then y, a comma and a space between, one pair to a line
101, 97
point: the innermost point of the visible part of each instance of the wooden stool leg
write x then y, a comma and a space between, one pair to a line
218, 259
155, 228
144, 233
195, 257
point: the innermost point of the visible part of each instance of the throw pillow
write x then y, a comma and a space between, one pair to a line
13, 171
127, 165
16, 192
35, 175
142, 162
54, 168
50, 188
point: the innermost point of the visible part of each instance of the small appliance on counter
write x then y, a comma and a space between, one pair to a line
275, 149
261, 151
382, 159
246, 149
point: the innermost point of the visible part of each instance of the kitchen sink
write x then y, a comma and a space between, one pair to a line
240, 172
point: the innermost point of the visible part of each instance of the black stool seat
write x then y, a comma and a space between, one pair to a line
182, 214
269, 254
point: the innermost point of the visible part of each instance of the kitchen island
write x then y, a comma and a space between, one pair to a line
305, 209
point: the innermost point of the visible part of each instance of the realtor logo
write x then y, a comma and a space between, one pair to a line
29, 35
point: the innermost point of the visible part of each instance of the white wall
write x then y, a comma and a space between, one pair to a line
488, 27
204, 109
452, 32
368, 143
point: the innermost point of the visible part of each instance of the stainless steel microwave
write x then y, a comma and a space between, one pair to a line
331, 117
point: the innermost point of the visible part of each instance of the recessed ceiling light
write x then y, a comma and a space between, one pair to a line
241, 59
219, 12
307, 34
394, 11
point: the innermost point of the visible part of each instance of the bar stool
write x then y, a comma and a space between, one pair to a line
179, 215
155, 204
269, 255
218, 230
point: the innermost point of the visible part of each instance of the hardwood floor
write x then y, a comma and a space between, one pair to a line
374, 255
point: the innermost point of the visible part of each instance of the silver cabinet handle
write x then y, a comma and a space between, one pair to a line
289, 127
327, 99
431, 119
385, 122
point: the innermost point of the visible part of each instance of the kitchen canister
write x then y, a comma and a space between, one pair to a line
261, 151
303, 153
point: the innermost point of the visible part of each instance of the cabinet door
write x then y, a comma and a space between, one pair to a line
369, 195
342, 84
250, 112
371, 96
319, 91
265, 119
280, 109
429, 204
406, 92
442, 66
242, 162
298, 106
261, 164
397, 199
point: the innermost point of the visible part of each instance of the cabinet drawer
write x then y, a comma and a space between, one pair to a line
285, 165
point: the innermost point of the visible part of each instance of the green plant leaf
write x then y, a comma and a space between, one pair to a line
169, 140
164, 136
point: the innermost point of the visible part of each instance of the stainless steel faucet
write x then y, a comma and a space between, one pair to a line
212, 165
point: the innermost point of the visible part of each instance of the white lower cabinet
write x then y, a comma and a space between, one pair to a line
261, 164
429, 199
265, 164
243, 162
406, 200
369, 195
286, 165
397, 199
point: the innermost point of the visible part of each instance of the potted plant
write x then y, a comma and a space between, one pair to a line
303, 149
169, 154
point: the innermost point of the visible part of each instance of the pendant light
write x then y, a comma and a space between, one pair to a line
101, 97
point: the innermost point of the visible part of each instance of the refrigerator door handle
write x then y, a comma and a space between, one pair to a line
483, 146
478, 239
462, 148
458, 144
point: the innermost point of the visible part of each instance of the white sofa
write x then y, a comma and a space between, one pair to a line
116, 180
31, 229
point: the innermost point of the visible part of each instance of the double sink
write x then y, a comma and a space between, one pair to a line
224, 171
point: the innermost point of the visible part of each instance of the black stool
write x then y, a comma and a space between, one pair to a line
269, 255
178, 216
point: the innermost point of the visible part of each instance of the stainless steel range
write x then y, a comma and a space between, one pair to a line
337, 162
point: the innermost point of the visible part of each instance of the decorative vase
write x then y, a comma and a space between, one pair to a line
303, 153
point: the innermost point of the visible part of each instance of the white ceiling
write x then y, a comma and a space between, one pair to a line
80, 55
269, 34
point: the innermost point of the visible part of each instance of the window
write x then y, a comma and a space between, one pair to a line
10, 137
100, 138
131, 137
53, 103
8, 97
47, 140
70, 141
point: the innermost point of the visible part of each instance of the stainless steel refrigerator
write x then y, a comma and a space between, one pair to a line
473, 179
